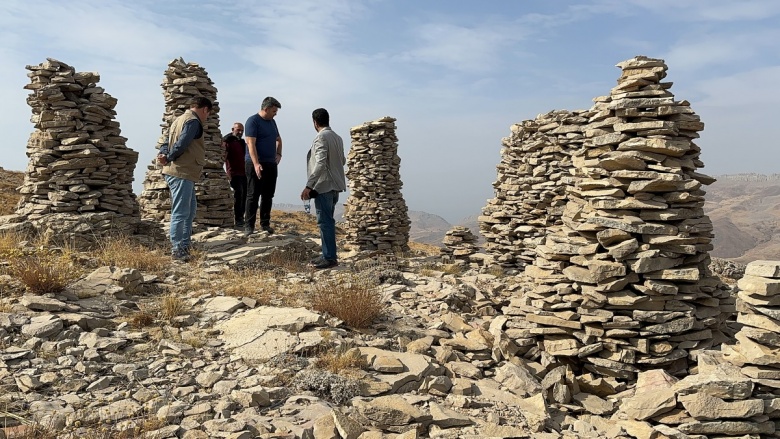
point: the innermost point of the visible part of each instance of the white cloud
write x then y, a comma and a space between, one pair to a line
728, 49
711, 10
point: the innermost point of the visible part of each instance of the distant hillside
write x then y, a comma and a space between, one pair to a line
9, 196
745, 210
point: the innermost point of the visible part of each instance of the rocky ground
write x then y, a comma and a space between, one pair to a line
195, 351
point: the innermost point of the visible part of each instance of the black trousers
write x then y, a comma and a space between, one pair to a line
260, 190
238, 183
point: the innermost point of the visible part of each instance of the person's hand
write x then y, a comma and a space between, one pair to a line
162, 159
305, 194
258, 169
278, 158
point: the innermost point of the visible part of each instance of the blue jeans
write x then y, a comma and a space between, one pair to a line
325, 204
183, 206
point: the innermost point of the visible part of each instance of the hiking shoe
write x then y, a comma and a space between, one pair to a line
268, 230
324, 264
316, 260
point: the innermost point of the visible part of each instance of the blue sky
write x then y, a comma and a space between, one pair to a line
456, 74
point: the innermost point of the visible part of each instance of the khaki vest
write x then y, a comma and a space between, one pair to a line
189, 165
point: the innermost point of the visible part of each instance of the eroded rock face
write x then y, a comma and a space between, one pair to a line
78, 183
181, 83
375, 214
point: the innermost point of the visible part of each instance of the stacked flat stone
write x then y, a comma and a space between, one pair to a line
375, 214
623, 285
182, 83
79, 163
758, 342
459, 245
533, 174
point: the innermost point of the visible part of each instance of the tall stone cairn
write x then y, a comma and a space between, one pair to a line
375, 214
623, 284
534, 172
80, 173
181, 83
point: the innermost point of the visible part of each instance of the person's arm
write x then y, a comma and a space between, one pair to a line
251, 145
278, 149
188, 133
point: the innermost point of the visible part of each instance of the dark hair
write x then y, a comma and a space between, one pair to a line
270, 102
201, 102
321, 116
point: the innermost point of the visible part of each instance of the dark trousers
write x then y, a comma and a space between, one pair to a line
259, 190
238, 183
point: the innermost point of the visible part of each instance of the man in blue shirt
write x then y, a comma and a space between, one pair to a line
263, 154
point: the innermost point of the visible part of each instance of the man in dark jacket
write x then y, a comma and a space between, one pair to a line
235, 149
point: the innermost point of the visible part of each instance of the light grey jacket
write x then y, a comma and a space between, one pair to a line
325, 163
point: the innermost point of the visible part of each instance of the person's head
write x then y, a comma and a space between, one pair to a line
202, 107
269, 108
320, 117
238, 129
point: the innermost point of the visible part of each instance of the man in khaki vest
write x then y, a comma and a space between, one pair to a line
183, 157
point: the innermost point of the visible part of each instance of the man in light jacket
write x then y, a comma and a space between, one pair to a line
325, 172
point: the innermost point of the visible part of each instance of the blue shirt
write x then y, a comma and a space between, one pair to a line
265, 134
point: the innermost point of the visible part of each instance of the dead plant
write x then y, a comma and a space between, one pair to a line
42, 273
352, 297
122, 251
172, 306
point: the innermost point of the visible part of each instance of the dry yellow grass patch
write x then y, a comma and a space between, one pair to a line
420, 249
340, 359
352, 297
300, 222
42, 273
122, 251
140, 319
172, 306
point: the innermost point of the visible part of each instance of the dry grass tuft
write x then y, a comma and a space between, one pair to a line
352, 297
496, 270
172, 306
340, 359
122, 251
453, 269
251, 282
42, 273
283, 262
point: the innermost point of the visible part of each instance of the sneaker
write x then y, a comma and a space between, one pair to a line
316, 260
325, 263
180, 256
268, 230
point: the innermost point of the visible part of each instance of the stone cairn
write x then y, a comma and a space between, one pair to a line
623, 284
534, 172
78, 183
183, 82
734, 392
375, 214
459, 245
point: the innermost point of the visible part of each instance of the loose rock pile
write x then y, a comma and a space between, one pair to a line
375, 214
534, 172
78, 184
183, 82
623, 285
459, 244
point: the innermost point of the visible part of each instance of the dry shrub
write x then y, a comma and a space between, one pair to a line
172, 306
140, 319
42, 273
352, 297
496, 270
454, 269
122, 251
